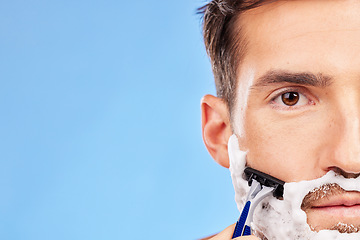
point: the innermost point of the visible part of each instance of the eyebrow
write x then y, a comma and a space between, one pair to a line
301, 78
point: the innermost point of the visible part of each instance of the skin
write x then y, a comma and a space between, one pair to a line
321, 132
228, 232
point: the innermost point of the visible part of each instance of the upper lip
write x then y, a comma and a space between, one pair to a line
347, 199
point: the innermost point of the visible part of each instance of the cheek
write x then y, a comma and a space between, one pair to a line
287, 148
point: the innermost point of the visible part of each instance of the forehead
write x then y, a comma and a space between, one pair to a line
311, 35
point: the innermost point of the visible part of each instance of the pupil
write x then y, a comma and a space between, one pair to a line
290, 98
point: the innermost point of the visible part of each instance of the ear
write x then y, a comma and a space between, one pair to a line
216, 128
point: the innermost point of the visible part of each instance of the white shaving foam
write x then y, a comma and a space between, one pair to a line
284, 219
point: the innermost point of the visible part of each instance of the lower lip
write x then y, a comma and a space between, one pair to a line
340, 210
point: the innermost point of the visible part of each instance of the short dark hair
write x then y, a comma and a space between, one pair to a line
224, 43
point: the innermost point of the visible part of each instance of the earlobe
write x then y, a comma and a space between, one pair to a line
216, 128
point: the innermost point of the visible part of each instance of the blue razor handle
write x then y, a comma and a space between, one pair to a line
261, 185
241, 229
256, 194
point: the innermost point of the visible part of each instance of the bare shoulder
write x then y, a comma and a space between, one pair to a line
208, 238
227, 234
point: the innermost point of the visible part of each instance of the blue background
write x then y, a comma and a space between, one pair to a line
100, 122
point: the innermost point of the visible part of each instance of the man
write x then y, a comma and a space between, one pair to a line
288, 82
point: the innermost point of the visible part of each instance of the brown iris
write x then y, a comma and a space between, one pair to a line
290, 98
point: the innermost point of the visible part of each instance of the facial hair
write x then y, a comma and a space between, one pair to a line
327, 191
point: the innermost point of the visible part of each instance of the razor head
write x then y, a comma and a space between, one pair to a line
265, 180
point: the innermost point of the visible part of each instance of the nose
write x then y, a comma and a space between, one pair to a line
345, 158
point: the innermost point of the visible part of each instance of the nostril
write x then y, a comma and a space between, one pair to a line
343, 173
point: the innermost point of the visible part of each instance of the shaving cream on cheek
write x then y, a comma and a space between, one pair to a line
284, 219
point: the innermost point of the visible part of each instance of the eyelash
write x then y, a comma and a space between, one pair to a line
301, 93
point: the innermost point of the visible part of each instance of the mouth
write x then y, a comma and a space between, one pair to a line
332, 208
344, 206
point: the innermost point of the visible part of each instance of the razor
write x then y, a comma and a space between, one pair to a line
261, 186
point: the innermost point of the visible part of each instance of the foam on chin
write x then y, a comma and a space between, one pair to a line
284, 219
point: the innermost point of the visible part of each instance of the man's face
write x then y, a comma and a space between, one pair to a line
298, 101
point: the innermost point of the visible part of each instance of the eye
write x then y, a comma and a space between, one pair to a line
291, 99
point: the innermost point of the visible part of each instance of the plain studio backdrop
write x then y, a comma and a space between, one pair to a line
100, 122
